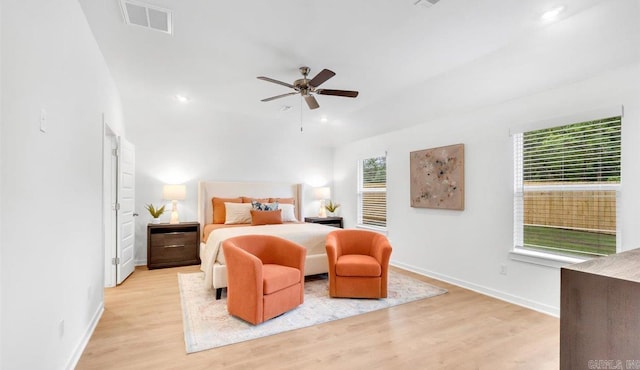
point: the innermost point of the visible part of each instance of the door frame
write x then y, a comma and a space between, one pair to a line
109, 196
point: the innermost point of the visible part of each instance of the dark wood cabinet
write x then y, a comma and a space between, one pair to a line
330, 221
599, 305
170, 245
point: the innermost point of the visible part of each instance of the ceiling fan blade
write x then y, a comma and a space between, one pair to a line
321, 77
346, 93
311, 102
279, 96
275, 81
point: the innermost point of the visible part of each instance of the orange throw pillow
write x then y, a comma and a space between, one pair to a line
250, 199
283, 200
266, 217
219, 211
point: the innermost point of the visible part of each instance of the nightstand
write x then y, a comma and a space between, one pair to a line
170, 245
329, 221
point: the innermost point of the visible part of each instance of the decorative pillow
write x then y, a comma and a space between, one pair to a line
237, 213
283, 200
264, 206
251, 199
266, 217
219, 215
288, 213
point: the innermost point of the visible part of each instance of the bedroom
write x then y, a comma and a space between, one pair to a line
56, 175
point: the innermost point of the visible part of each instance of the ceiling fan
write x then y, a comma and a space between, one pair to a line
307, 88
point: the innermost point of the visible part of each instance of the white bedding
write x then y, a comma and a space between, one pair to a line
309, 235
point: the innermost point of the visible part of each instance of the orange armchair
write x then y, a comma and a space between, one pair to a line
358, 263
265, 276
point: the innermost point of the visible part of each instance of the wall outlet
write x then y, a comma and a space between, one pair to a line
503, 269
61, 328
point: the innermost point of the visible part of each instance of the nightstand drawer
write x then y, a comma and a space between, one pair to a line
173, 239
174, 253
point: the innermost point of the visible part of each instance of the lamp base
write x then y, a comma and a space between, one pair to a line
174, 214
174, 218
322, 212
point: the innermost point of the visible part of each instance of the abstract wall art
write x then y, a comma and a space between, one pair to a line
437, 177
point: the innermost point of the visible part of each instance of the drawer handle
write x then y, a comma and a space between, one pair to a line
175, 233
174, 246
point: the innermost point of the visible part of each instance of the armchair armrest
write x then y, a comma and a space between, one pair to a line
381, 251
244, 274
333, 248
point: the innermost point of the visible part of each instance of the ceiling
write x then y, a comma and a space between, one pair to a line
410, 63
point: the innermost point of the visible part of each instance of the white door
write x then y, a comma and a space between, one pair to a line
125, 252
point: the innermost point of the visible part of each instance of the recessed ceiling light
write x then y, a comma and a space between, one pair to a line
323, 119
552, 14
182, 98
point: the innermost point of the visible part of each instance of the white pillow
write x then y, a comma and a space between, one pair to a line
288, 213
237, 213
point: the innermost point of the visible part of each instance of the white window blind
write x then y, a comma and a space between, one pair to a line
567, 180
372, 192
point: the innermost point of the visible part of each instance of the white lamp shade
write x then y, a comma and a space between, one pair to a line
174, 192
322, 193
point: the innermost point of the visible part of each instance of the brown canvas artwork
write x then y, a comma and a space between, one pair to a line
437, 177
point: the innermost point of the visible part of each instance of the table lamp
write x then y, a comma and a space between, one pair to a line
322, 194
174, 193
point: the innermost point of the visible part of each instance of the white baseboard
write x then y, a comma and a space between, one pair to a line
77, 353
536, 306
140, 262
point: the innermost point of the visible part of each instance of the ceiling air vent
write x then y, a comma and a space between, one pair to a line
426, 3
147, 16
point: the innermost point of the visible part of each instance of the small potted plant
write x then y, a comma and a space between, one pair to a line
154, 212
331, 207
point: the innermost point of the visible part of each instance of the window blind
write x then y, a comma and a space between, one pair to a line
566, 186
373, 192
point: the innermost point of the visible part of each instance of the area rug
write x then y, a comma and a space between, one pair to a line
207, 323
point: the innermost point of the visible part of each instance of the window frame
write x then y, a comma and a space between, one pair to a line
549, 258
361, 190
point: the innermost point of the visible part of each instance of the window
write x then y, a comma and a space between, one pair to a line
567, 179
372, 192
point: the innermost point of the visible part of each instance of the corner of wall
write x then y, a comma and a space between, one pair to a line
1, 193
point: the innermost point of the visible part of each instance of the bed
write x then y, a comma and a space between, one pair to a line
310, 235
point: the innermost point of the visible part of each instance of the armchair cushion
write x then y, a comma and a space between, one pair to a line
276, 277
357, 265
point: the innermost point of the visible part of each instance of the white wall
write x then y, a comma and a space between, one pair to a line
468, 247
1, 205
182, 149
51, 183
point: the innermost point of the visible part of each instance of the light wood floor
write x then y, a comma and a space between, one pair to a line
142, 329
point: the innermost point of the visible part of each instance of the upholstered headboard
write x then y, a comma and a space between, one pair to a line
210, 189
